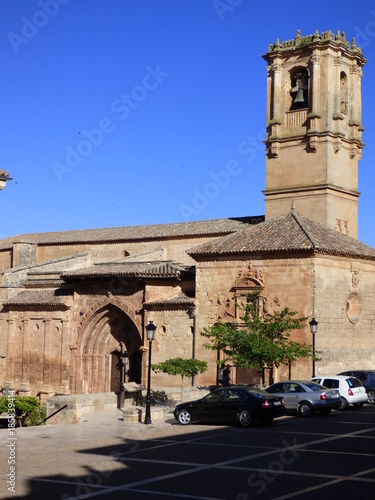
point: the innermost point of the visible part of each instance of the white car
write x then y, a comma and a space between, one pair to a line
351, 389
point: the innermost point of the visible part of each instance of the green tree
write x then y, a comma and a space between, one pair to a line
182, 367
261, 341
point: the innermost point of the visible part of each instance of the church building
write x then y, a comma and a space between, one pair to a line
73, 303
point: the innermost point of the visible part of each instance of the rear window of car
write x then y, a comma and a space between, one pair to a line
354, 382
276, 388
313, 386
258, 393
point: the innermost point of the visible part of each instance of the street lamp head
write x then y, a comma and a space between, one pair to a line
150, 329
313, 326
125, 358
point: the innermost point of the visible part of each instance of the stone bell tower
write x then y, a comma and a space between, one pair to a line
314, 130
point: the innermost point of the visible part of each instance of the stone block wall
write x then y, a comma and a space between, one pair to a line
344, 299
217, 282
77, 405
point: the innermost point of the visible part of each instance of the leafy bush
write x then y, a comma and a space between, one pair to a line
181, 366
36, 416
27, 409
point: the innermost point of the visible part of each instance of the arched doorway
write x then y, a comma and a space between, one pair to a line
108, 333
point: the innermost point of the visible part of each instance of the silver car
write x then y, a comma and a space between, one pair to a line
305, 396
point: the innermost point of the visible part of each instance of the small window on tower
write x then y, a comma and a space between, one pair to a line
299, 90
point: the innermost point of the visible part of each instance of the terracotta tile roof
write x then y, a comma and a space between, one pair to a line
289, 233
181, 300
39, 298
136, 233
158, 269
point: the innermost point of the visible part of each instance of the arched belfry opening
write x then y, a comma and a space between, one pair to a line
299, 88
108, 333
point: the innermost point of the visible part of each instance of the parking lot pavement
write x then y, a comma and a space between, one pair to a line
321, 457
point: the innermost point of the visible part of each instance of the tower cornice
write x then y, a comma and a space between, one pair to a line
318, 40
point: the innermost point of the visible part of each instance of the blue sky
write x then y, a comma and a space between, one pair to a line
128, 112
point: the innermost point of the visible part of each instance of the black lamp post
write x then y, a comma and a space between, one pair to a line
124, 363
313, 329
150, 329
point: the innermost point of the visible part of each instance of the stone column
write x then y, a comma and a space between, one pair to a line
337, 89
64, 358
9, 378
46, 387
354, 119
330, 68
315, 85
93, 387
276, 112
355, 99
314, 101
25, 387
269, 95
359, 105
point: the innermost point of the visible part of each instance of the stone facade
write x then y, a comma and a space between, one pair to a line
72, 302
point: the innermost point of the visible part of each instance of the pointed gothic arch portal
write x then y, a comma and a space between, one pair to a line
108, 333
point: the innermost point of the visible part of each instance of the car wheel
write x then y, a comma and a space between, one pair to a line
305, 409
358, 405
344, 404
371, 396
184, 417
326, 411
244, 418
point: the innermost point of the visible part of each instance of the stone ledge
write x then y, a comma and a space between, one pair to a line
139, 414
77, 405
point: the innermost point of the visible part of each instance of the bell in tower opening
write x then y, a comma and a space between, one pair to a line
299, 91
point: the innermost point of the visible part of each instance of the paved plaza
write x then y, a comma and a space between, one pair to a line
104, 457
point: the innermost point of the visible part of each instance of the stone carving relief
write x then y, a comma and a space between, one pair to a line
228, 312
249, 276
247, 280
354, 307
268, 310
342, 226
355, 279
